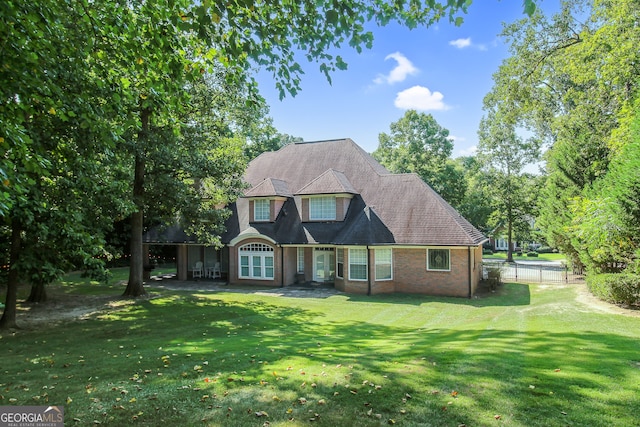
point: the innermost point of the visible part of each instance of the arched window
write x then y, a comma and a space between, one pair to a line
256, 261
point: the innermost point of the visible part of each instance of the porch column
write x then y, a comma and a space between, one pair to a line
182, 260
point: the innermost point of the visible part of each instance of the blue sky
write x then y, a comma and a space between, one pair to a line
443, 70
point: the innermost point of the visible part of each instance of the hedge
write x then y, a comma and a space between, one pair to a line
617, 288
545, 250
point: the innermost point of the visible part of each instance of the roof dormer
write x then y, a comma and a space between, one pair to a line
266, 199
327, 197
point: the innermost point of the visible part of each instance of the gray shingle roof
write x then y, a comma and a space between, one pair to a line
269, 187
330, 182
389, 209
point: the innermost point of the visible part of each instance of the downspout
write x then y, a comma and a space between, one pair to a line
368, 271
470, 269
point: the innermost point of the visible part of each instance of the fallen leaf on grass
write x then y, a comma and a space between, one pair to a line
497, 417
454, 393
261, 414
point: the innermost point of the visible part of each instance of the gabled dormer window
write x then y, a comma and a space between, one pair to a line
322, 208
261, 210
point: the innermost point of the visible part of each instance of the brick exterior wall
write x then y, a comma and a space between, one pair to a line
410, 274
234, 265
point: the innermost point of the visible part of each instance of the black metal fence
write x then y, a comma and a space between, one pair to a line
533, 272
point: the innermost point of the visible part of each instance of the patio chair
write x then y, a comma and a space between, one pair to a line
215, 271
197, 270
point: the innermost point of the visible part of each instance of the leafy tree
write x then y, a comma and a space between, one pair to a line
418, 144
476, 205
264, 137
571, 80
606, 219
504, 155
56, 139
115, 74
236, 36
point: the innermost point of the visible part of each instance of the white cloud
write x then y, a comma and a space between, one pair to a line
469, 151
464, 43
420, 98
461, 43
402, 70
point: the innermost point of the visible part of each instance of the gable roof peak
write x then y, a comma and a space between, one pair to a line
330, 181
269, 187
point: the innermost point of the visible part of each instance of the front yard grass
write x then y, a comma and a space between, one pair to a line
524, 257
528, 355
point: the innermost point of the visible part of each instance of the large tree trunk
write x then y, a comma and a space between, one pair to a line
135, 287
38, 293
8, 320
509, 239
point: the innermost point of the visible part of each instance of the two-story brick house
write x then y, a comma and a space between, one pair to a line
326, 211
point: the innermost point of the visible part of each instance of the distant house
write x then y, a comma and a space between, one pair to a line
327, 212
499, 240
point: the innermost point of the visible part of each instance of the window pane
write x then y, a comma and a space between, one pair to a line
383, 264
257, 268
322, 208
357, 264
340, 263
261, 210
383, 272
438, 259
358, 272
300, 260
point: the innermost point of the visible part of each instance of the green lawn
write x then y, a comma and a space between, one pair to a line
540, 257
528, 355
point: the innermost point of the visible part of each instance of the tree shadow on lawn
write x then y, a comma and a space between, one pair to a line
255, 350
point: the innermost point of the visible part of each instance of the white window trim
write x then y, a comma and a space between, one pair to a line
264, 252
390, 263
255, 210
366, 264
323, 218
438, 269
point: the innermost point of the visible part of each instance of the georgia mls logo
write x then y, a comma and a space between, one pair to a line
31, 416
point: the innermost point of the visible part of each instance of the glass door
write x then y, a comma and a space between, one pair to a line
324, 264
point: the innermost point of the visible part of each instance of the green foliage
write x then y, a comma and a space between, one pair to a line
504, 155
572, 81
617, 288
545, 250
263, 136
418, 144
532, 254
